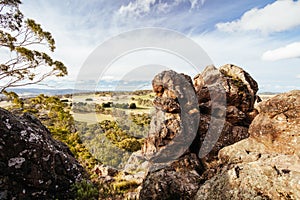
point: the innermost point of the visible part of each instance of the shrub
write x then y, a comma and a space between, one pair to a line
130, 144
132, 106
85, 190
124, 186
106, 105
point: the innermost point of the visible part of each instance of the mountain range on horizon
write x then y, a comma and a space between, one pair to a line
51, 92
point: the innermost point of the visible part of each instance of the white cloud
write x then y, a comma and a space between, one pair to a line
136, 8
276, 17
245, 50
288, 51
163, 7
298, 76
195, 3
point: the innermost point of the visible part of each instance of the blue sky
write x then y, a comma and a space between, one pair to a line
261, 36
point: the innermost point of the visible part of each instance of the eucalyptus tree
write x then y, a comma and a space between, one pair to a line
23, 43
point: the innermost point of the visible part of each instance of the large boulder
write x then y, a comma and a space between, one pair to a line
267, 164
257, 176
33, 164
230, 91
178, 180
278, 124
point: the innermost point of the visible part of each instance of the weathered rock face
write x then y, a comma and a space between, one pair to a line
237, 110
278, 124
136, 167
178, 180
175, 121
174, 169
267, 164
33, 164
268, 177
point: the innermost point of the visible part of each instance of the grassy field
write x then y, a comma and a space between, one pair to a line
146, 96
91, 118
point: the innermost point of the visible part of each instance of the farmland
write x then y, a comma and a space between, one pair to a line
93, 108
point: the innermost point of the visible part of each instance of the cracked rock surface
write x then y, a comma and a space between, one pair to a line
234, 92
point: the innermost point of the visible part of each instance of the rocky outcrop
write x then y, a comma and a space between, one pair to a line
267, 164
253, 152
174, 169
175, 121
179, 133
33, 164
226, 99
267, 177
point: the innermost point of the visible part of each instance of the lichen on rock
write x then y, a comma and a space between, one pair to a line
34, 165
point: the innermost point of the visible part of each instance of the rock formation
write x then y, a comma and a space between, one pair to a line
267, 164
175, 121
225, 98
174, 169
238, 101
33, 164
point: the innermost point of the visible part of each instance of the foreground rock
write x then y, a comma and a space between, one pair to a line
33, 164
267, 164
226, 98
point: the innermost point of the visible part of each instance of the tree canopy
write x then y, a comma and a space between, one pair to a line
20, 62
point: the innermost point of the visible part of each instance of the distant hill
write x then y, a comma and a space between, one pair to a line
35, 91
103, 86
